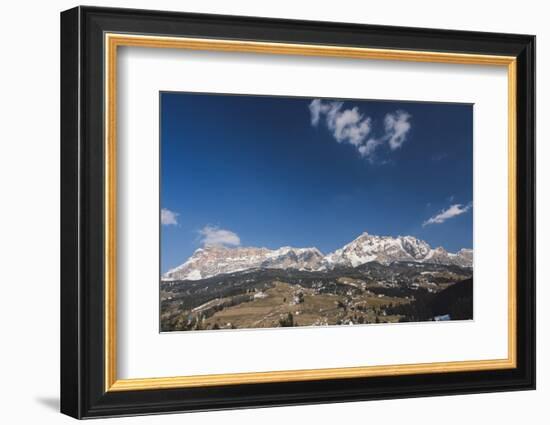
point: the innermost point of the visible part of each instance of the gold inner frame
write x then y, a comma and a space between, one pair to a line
113, 41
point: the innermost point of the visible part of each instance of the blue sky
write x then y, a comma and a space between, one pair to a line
275, 171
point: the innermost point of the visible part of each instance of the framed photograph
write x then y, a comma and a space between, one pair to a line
261, 212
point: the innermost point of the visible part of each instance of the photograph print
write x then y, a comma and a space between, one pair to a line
279, 212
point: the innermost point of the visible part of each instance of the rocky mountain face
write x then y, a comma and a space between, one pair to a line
214, 260
383, 249
386, 250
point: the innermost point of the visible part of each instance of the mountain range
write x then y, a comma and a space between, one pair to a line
213, 260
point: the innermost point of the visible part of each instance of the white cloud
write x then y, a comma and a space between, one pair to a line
315, 108
368, 148
444, 215
168, 218
352, 127
212, 235
397, 126
346, 125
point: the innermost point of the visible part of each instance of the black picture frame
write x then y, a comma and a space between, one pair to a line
83, 392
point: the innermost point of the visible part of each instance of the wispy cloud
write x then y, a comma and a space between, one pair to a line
346, 125
213, 235
168, 218
368, 148
439, 156
355, 128
444, 215
397, 126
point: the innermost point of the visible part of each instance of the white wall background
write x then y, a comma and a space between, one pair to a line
29, 213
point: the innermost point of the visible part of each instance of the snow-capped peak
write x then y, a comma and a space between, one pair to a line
214, 259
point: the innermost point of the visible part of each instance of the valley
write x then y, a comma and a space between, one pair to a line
270, 298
